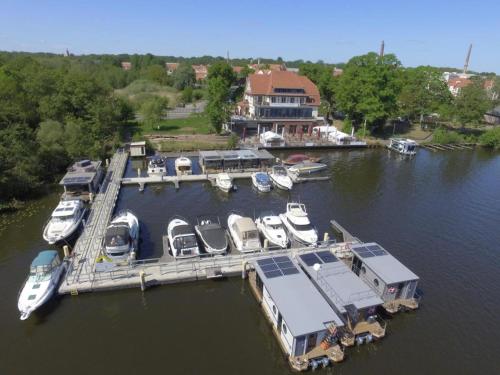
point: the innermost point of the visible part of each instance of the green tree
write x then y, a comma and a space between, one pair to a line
187, 95
369, 87
218, 107
156, 73
183, 76
223, 70
322, 76
471, 104
152, 110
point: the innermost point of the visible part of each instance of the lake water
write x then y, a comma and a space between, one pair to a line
438, 213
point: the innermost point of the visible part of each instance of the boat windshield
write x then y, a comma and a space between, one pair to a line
185, 242
250, 235
280, 171
59, 219
301, 227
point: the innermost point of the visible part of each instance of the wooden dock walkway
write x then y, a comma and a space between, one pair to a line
434, 147
88, 245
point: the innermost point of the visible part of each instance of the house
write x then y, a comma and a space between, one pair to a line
82, 179
138, 149
388, 277
171, 67
126, 65
237, 69
201, 72
456, 84
266, 68
352, 299
337, 72
300, 316
280, 101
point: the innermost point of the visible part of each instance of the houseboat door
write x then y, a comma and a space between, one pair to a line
311, 342
401, 287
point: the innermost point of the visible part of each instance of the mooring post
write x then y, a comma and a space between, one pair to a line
326, 237
266, 244
142, 276
91, 197
66, 251
107, 162
138, 172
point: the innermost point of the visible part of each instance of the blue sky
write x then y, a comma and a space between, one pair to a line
419, 32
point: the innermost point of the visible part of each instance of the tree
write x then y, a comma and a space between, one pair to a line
220, 79
183, 76
471, 104
423, 92
156, 73
223, 70
369, 87
322, 76
187, 95
152, 109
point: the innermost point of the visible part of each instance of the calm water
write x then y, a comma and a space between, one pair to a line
437, 213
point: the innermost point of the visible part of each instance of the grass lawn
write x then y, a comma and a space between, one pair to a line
195, 124
176, 145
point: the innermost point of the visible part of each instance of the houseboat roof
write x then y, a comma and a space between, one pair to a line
299, 302
137, 144
337, 282
235, 155
81, 173
388, 269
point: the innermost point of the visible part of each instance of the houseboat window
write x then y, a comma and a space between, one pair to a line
284, 328
363, 269
274, 310
305, 128
375, 281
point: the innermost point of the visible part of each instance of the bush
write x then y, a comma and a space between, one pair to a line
491, 138
233, 141
443, 136
198, 94
187, 95
347, 126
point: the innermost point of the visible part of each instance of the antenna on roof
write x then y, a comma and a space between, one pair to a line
382, 46
466, 65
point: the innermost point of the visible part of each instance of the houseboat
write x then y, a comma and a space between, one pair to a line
303, 322
403, 146
235, 160
82, 179
395, 284
352, 299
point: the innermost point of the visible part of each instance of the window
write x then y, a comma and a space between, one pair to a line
363, 270
273, 99
292, 91
274, 310
284, 328
292, 100
305, 128
375, 281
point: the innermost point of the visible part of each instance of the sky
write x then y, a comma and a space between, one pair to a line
423, 32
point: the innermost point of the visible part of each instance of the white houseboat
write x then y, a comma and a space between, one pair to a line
403, 145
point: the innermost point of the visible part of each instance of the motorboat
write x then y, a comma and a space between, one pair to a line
271, 227
45, 272
300, 158
307, 167
183, 166
261, 181
297, 223
244, 233
122, 236
182, 238
280, 177
212, 235
64, 221
224, 182
403, 146
157, 166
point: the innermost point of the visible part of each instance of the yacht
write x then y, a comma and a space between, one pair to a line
182, 238
307, 167
45, 272
122, 236
212, 235
64, 221
403, 146
157, 166
298, 225
183, 166
261, 181
244, 233
224, 182
280, 178
271, 227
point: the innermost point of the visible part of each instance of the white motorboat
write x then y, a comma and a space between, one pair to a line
224, 182
403, 146
244, 233
182, 238
271, 227
45, 272
183, 166
298, 225
157, 166
307, 167
280, 178
212, 235
261, 181
122, 236
64, 221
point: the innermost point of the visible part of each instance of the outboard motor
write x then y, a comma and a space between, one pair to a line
369, 338
325, 361
359, 340
314, 364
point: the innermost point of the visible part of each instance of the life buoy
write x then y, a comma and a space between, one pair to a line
391, 290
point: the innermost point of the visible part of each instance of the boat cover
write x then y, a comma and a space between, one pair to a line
213, 235
245, 224
44, 258
262, 178
180, 230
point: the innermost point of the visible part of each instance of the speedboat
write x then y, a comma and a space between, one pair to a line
183, 166
182, 238
157, 166
122, 236
403, 146
307, 167
271, 227
244, 233
298, 225
212, 235
261, 181
64, 221
224, 182
45, 272
280, 178
300, 158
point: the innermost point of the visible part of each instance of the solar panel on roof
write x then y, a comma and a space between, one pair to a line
285, 265
273, 274
373, 247
269, 267
379, 252
326, 256
310, 259
281, 259
368, 254
290, 271
262, 262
